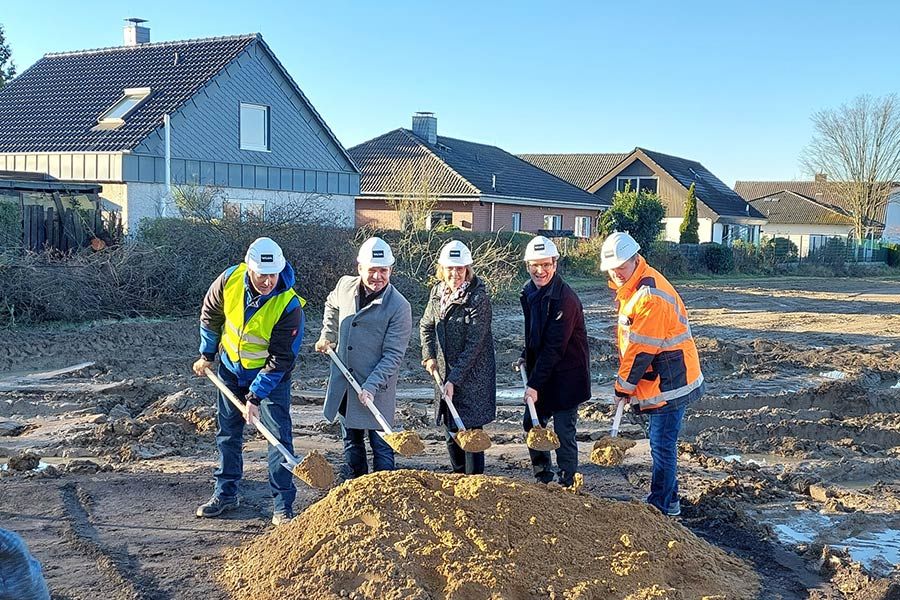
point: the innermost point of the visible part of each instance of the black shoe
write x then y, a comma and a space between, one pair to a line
216, 506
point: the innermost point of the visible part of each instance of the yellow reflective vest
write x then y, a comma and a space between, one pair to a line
247, 343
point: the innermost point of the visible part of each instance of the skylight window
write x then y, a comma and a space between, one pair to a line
130, 100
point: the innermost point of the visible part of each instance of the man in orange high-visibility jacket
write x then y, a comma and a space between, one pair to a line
659, 370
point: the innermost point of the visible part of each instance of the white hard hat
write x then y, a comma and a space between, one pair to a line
540, 247
265, 257
617, 249
455, 254
375, 252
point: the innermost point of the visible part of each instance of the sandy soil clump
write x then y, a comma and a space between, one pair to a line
420, 535
407, 443
315, 470
541, 438
610, 451
473, 440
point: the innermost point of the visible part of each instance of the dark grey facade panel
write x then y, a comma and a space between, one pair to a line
333, 185
146, 169
248, 176
234, 175
221, 174
261, 178
207, 173
177, 166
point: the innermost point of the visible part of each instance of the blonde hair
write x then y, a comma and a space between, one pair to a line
441, 273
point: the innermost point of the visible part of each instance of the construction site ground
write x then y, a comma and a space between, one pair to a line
791, 461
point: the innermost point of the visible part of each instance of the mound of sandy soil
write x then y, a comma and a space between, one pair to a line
420, 535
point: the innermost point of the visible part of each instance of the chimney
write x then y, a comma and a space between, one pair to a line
135, 33
424, 125
821, 177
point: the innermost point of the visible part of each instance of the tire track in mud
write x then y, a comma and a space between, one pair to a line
120, 569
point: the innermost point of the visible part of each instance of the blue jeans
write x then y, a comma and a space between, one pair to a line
470, 463
664, 429
274, 412
567, 453
355, 463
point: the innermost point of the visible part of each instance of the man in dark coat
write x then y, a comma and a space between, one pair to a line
556, 358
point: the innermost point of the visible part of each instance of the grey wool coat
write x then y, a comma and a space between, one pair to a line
371, 342
463, 346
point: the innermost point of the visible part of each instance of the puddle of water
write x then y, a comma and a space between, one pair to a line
833, 375
878, 550
872, 549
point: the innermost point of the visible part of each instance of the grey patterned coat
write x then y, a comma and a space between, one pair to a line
371, 342
463, 346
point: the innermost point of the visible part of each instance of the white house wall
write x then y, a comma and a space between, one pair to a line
892, 220
673, 226
146, 201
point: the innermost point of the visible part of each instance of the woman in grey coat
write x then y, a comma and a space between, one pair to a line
457, 343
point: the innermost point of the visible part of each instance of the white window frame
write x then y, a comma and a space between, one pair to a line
517, 222
553, 219
266, 113
244, 209
638, 178
583, 227
432, 214
133, 96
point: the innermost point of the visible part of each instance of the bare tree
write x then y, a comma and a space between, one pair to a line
858, 147
411, 194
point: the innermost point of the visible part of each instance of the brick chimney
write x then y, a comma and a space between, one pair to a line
424, 125
135, 33
821, 177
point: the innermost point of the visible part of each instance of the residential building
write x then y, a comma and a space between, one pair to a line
219, 114
474, 186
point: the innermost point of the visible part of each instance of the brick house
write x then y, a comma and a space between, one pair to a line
476, 186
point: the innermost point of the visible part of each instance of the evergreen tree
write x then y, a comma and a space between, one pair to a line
638, 213
690, 226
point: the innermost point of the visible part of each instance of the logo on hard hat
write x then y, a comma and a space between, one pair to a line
266, 258
609, 254
454, 254
377, 253
538, 246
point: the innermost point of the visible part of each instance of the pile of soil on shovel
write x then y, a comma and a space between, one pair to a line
473, 440
421, 535
610, 451
541, 438
407, 443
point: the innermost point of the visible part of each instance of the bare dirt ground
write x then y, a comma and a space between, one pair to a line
790, 461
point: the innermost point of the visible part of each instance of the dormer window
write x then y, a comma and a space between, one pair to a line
131, 98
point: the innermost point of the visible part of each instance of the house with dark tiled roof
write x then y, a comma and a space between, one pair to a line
477, 187
789, 203
724, 216
219, 113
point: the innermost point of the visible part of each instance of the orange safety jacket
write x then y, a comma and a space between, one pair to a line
658, 358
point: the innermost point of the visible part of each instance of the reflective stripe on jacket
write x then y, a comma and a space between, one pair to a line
658, 357
247, 342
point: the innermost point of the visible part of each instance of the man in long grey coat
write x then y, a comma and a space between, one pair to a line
367, 322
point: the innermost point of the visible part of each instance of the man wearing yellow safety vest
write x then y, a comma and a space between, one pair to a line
659, 370
253, 314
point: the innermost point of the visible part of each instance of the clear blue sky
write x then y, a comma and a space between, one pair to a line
730, 84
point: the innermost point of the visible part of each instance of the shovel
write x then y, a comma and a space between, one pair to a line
538, 438
313, 470
407, 443
470, 440
610, 451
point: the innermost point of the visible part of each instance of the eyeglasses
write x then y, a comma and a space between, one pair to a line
545, 266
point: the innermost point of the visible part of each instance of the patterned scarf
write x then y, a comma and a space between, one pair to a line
448, 296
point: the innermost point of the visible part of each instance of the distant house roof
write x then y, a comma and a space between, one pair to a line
578, 169
790, 208
720, 198
818, 191
459, 168
55, 104
716, 200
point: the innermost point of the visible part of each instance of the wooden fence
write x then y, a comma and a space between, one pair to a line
66, 229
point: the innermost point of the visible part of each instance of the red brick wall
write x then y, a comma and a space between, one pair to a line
474, 216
